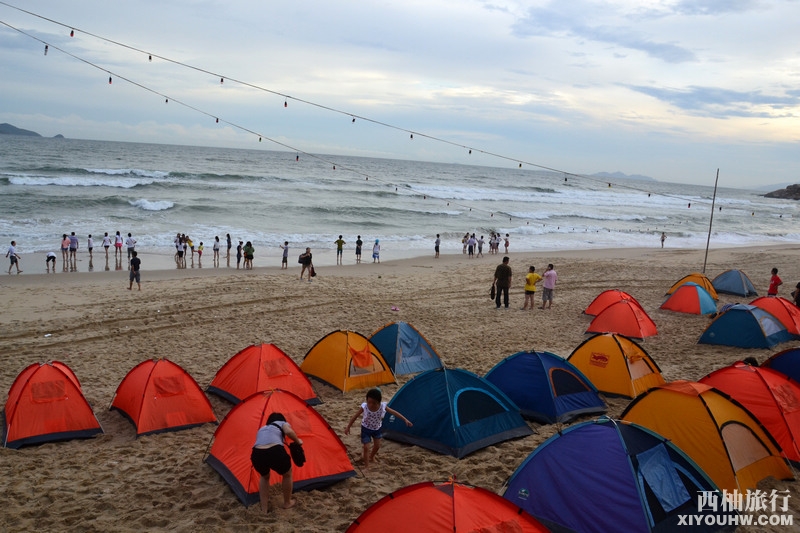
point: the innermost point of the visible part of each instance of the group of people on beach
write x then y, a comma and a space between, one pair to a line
473, 247
502, 284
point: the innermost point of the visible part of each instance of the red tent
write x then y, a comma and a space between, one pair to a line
785, 311
624, 317
326, 455
430, 507
606, 298
45, 404
772, 397
158, 395
260, 368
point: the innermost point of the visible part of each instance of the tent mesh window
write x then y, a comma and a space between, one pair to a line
473, 405
565, 382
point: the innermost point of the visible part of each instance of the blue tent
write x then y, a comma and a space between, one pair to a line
454, 412
609, 475
734, 282
745, 326
786, 362
545, 387
404, 348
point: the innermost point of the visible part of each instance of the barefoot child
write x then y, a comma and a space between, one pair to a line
373, 410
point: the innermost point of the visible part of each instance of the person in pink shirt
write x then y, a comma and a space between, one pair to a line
548, 286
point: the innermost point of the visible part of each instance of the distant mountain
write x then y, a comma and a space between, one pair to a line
771, 187
621, 176
8, 129
792, 192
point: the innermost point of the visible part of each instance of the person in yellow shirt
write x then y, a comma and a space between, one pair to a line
531, 279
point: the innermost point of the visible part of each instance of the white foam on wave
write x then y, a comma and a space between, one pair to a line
78, 181
147, 205
157, 174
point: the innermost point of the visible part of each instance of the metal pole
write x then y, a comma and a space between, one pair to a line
710, 221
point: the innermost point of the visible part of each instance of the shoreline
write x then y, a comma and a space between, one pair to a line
157, 266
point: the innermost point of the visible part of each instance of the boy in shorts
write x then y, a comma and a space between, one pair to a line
373, 410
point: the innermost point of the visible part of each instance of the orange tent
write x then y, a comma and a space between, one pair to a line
158, 395
430, 507
785, 311
616, 365
327, 461
695, 277
690, 298
260, 368
606, 298
46, 404
347, 360
625, 317
717, 432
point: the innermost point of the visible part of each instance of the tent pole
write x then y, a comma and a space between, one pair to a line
710, 221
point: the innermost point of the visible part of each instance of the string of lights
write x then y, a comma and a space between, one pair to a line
287, 97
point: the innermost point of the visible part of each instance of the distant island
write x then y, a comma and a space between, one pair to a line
8, 129
792, 192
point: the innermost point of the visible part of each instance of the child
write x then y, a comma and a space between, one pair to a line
774, 283
373, 410
51, 258
531, 279
200, 250
285, 258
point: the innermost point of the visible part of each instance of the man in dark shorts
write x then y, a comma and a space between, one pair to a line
359, 243
134, 275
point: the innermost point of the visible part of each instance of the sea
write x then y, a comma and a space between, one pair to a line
52, 186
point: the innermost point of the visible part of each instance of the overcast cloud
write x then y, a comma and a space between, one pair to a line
672, 90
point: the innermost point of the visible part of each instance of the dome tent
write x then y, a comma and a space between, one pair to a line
546, 388
717, 432
745, 326
734, 282
462, 413
45, 404
327, 461
260, 368
606, 298
430, 507
405, 349
616, 365
158, 395
347, 361
625, 317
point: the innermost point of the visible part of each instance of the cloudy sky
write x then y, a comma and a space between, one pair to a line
668, 89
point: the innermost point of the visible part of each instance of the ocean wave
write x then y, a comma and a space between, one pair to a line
147, 205
156, 174
78, 181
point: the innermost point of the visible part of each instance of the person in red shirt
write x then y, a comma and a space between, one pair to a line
774, 283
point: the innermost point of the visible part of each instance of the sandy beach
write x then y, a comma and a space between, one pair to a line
199, 318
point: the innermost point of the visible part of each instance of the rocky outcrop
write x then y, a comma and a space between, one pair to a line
792, 192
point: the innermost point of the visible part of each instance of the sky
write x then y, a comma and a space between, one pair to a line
673, 90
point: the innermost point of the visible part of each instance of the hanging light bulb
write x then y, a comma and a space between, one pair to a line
285, 103
109, 80
72, 33
520, 165
470, 151
259, 139
166, 100
150, 58
217, 120
412, 135
221, 81
354, 119
46, 48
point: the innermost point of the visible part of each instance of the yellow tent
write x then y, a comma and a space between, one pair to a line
695, 277
720, 435
616, 365
347, 360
